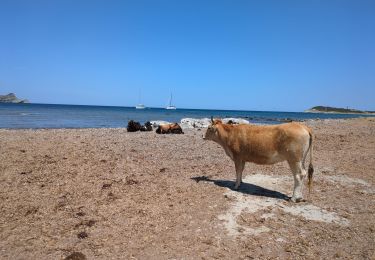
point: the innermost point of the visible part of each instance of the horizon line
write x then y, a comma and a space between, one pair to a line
146, 107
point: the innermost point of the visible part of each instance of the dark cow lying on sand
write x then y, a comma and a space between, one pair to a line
243, 143
169, 129
146, 127
136, 126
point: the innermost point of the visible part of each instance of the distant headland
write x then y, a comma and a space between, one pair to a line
324, 109
11, 98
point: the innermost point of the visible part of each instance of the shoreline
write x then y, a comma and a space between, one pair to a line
200, 123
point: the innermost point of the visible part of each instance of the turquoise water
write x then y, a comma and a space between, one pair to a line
18, 116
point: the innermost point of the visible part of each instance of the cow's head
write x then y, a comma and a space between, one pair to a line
212, 131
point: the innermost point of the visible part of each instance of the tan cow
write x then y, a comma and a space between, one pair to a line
266, 145
173, 128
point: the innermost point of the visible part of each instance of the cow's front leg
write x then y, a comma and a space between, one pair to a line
298, 173
240, 165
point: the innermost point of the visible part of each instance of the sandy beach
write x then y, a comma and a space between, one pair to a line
109, 194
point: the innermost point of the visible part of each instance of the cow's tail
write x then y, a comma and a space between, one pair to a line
310, 170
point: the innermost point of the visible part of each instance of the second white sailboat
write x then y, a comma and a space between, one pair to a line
170, 106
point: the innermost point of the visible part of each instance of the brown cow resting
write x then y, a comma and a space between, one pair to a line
266, 145
169, 129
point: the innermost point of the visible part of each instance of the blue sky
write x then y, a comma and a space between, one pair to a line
235, 54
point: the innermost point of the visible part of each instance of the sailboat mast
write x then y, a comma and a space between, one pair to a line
170, 106
140, 105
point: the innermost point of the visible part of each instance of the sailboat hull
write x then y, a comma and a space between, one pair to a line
140, 106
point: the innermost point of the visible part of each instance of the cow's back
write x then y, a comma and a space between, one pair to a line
268, 144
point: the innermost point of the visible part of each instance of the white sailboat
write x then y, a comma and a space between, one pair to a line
170, 106
140, 105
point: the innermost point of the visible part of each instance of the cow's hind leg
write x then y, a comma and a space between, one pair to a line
240, 165
299, 173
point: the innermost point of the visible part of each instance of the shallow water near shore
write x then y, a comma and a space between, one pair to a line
19, 116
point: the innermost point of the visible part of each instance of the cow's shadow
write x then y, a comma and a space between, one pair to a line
246, 188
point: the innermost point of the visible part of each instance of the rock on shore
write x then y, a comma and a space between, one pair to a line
205, 122
195, 123
190, 123
157, 123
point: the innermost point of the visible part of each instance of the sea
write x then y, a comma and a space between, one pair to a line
36, 116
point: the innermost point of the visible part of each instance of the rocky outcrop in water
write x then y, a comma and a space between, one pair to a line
338, 110
11, 98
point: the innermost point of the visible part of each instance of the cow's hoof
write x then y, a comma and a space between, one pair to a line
296, 200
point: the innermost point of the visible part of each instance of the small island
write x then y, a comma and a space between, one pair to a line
12, 98
325, 109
